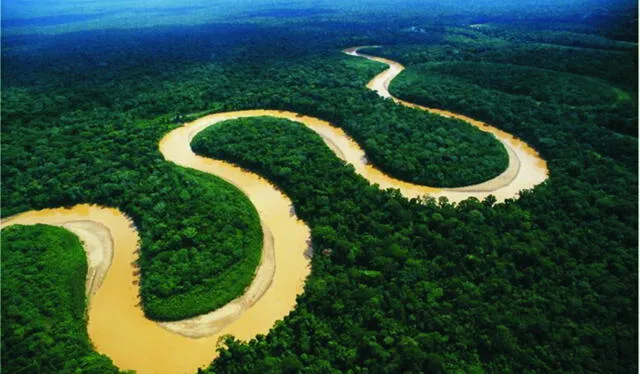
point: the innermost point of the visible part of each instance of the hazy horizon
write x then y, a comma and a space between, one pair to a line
56, 16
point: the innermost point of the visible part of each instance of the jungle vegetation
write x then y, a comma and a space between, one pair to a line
544, 283
193, 227
43, 303
427, 286
126, 116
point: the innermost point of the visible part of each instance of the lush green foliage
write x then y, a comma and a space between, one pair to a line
43, 303
422, 286
547, 283
408, 144
479, 57
194, 227
481, 48
539, 84
445, 86
120, 166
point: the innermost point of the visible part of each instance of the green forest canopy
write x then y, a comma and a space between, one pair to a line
43, 303
545, 283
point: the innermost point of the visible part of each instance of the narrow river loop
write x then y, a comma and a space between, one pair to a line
117, 326
526, 168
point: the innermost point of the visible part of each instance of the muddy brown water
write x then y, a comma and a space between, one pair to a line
525, 170
117, 326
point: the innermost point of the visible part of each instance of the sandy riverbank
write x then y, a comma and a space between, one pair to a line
525, 170
117, 326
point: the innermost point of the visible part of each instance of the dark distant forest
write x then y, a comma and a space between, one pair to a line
543, 283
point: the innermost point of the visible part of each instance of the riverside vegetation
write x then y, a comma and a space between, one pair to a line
187, 242
545, 283
43, 298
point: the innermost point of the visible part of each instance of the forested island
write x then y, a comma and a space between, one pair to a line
546, 281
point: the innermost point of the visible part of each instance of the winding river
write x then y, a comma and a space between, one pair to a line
526, 168
117, 326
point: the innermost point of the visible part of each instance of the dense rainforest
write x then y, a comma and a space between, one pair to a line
177, 283
43, 303
544, 283
189, 243
425, 286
